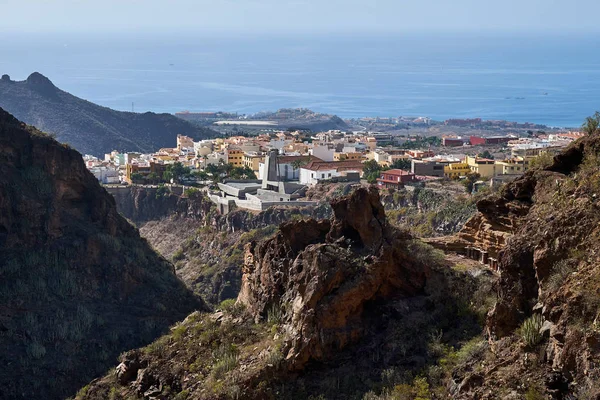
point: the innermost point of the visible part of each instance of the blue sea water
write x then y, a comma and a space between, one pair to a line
552, 79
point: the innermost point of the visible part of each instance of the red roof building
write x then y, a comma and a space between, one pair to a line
395, 178
482, 141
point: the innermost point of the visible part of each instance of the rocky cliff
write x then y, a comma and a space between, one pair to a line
322, 275
206, 247
90, 128
543, 328
78, 285
439, 208
142, 204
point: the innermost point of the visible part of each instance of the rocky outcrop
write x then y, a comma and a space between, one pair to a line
318, 276
496, 220
541, 236
548, 266
336, 308
78, 285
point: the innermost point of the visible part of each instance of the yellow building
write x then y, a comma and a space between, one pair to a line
456, 170
235, 157
347, 156
371, 143
144, 170
485, 167
516, 165
166, 157
252, 160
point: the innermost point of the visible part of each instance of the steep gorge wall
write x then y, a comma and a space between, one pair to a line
205, 246
548, 268
78, 285
143, 204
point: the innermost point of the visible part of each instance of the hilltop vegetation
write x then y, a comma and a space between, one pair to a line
87, 127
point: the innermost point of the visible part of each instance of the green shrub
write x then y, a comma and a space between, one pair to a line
470, 350
530, 330
191, 192
227, 305
424, 253
178, 255
225, 359
179, 331
561, 271
232, 307
275, 358
82, 392
274, 314
162, 191
533, 393
421, 389
113, 394
183, 395
542, 161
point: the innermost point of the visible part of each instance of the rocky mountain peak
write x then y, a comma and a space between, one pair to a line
359, 218
39, 80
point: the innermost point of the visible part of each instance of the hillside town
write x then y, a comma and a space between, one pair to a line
276, 168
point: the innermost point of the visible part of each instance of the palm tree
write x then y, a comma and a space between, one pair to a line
591, 124
296, 164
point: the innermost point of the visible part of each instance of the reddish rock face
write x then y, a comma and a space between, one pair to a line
317, 276
556, 226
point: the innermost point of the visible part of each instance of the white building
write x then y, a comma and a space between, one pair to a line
286, 167
309, 176
323, 152
106, 175
317, 171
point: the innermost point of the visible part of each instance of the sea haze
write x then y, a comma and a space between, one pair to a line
552, 80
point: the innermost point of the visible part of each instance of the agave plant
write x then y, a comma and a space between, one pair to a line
530, 330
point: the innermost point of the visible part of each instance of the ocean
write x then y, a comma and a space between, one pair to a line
553, 79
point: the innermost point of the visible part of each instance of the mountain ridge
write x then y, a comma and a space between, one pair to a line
88, 127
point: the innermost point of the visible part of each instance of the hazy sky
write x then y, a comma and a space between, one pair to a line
298, 15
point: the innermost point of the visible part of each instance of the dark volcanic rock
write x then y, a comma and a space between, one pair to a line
78, 285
